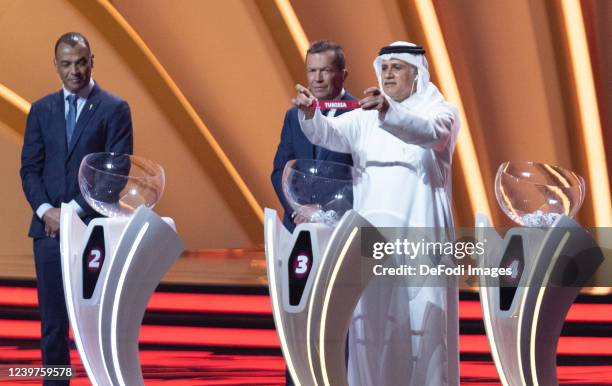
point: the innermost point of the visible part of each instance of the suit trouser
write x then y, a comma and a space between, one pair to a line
51, 305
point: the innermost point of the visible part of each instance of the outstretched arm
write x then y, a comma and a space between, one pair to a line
335, 134
430, 130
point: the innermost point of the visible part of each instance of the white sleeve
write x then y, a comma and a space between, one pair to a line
335, 134
431, 130
42, 209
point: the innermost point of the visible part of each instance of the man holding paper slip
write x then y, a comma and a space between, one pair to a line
402, 141
326, 72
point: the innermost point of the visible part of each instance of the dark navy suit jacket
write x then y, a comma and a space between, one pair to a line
50, 166
294, 145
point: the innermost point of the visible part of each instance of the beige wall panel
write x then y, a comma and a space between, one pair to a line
15, 213
597, 15
503, 57
221, 55
203, 218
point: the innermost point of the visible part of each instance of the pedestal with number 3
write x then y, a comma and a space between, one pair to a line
316, 277
110, 269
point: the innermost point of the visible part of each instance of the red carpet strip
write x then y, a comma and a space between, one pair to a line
225, 336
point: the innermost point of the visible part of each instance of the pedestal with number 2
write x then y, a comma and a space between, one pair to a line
110, 269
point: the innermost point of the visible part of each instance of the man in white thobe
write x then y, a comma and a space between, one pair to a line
402, 141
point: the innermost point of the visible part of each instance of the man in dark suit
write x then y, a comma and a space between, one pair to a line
61, 129
326, 73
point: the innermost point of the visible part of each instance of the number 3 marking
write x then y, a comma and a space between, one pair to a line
302, 264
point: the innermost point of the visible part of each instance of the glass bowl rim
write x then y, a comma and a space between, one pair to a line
350, 168
146, 160
498, 173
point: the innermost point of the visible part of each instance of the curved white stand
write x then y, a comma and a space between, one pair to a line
523, 322
110, 269
338, 286
312, 341
289, 304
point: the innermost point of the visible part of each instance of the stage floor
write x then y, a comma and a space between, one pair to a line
210, 323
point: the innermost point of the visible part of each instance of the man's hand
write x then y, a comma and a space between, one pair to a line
304, 100
51, 219
375, 100
304, 213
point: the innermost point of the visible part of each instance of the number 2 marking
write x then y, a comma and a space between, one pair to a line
95, 262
